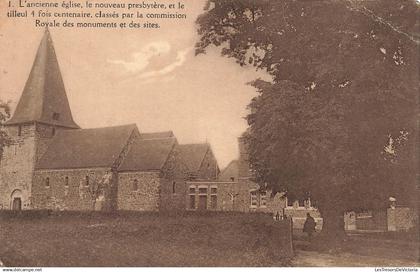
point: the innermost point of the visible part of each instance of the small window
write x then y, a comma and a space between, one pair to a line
173, 187
232, 179
87, 181
192, 190
53, 131
135, 185
66, 181
192, 202
19, 130
254, 199
213, 190
213, 202
56, 116
263, 199
202, 191
47, 182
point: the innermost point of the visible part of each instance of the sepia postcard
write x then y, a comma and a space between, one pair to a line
209, 133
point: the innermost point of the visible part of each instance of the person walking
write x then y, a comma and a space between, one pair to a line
309, 226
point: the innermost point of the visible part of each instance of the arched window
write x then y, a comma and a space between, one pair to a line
87, 181
135, 185
47, 182
66, 181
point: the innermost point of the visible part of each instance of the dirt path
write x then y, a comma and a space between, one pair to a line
358, 250
313, 258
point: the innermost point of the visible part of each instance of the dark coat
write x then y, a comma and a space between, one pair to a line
309, 225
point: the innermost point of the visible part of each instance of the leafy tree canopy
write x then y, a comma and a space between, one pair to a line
338, 120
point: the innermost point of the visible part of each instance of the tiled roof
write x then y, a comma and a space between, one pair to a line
148, 154
193, 154
86, 148
156, 135
232, 170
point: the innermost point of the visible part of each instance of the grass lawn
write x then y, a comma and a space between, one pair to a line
144, 239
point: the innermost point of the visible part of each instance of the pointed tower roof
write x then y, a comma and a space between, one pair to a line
44, 98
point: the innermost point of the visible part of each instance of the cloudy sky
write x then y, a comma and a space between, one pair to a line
147, 77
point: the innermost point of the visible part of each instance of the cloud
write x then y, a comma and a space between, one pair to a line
141, 59
141, 64
181, 57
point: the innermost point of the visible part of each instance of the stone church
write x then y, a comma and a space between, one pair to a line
52, 163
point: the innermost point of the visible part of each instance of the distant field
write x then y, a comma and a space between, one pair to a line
143, 239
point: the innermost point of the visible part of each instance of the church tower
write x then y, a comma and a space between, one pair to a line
43, 109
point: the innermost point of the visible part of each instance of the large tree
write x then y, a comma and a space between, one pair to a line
338, 120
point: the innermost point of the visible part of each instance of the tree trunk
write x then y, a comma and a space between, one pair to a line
332, 235
333, 223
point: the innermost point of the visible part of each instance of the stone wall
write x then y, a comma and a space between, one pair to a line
231, 196
401, 219
76, 196
243, 198
272, 204
114, 186
18, 161
225, 193
174, 173
16, 166
143, 198
172, 194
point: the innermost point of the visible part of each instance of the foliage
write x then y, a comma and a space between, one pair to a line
98, 189
338, 121
4, 116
